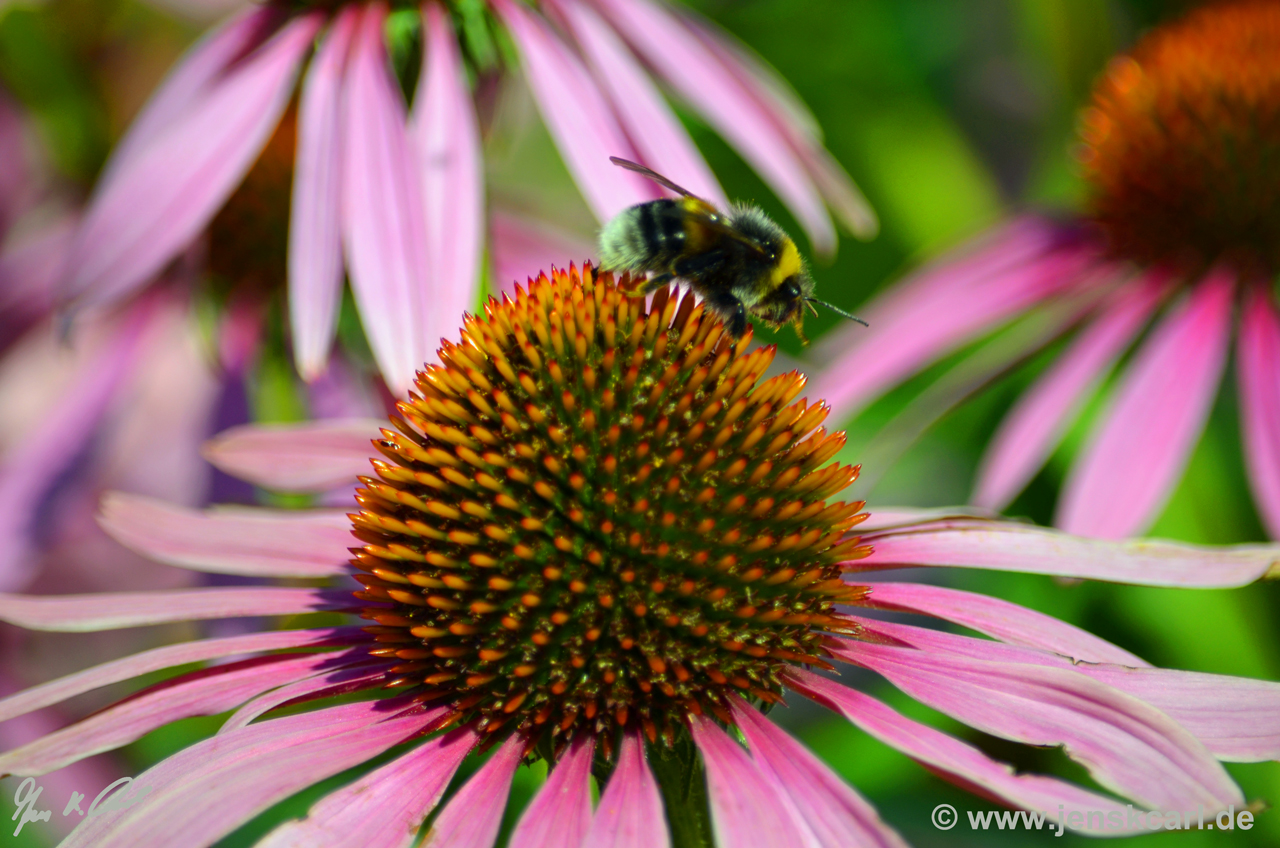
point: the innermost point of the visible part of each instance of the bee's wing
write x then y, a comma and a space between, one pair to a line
651, 174
713, 220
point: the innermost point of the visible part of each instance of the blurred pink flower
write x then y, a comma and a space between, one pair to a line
400, 194
1179, 229
468, 454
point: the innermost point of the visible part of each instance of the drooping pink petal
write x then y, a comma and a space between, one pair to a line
1127, 745
472, 817
1133, 462
837, 815
354, 677
895, 517
126, 668
35, 463
188, 83
383, 224
1034, 550
309, 457
315, 220
114, 610
998, 619
560, 814
212, 787
166, 193
206, 692
783, 107
916, 322
747, 811
1237, 718
660, 140
406, 790
1041, 417
1259, 375
578, 117
520, 248
229, 540
949, 757
666, 43
446, 139
630, 813
86, 776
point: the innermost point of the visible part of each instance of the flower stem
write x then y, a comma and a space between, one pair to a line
681, 777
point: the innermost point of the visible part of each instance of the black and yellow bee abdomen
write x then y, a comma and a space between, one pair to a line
647, 237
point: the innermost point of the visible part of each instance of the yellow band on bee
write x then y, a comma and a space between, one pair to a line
789, 263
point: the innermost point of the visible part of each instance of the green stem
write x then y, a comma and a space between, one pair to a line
680, 776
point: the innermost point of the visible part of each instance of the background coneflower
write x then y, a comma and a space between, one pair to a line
1179, 147
396, 195
597, 537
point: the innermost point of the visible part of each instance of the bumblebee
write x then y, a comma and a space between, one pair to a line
741, 263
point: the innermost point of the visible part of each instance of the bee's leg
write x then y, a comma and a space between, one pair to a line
652, 284
731, 310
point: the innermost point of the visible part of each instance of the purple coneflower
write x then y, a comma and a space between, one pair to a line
399, 194
1179, 148
596, 536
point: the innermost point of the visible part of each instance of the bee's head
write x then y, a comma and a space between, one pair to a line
785, 304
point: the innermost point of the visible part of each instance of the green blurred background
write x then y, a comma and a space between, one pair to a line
949, 115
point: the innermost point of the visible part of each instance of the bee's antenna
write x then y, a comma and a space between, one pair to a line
837, 311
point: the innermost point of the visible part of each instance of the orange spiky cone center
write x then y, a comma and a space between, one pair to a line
594, 513
1182, 140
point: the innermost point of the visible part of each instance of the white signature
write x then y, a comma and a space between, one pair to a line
28, 793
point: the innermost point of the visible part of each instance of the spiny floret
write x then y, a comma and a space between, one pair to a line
593, 513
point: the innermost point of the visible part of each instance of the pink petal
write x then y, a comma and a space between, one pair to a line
951, 758
1127, 745
747, 810
166, 193
668, 44
356, 677
1130, 468
630, 814
114, 610
206, 692
1259, 367
1035, 550
1236, 718
406, 790
209, 789
998, 619
472, 817
86, 776
309, 457
383, 223
560, 814
447, 142
837, 815
229, 540
792, 118
908, 517
169, 656
942, 308
660, 139
520, 248
579, 119
189, 82
37, 462
1037, 423
315, 221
